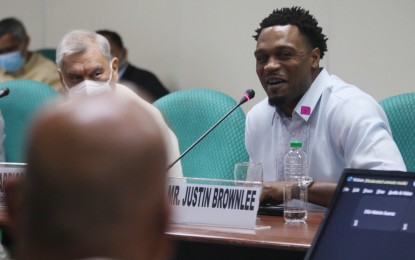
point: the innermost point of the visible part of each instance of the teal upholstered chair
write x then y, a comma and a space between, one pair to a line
49, 53
400, 110
24, 99
190, 113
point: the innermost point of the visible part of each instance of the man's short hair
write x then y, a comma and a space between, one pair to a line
14, 27
301, 18
115, 37
79, 41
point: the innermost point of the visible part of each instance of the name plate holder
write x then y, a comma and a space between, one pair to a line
213, 202
9, 171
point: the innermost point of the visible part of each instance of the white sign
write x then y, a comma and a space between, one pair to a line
208, 203
9, 171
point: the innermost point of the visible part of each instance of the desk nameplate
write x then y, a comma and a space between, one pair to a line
9, 171
213, 202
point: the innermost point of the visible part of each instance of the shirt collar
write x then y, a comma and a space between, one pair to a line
310, 99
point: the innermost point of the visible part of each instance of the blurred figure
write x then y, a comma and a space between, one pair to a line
142, 81
86, 67
95, 184
17, 62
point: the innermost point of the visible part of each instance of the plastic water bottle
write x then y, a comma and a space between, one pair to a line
295, 192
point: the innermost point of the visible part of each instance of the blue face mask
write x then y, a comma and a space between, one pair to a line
11, 62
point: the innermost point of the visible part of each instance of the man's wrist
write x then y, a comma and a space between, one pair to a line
308, 181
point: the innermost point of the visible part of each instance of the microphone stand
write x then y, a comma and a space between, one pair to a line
4, 92
205, 134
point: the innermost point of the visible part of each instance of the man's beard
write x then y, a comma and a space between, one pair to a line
277, 101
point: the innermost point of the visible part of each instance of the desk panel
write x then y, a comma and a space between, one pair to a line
274, 238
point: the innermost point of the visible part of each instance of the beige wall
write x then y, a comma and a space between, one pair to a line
208, 43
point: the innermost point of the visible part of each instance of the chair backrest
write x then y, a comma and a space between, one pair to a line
190, 113
18, 108
49, 53
400, 110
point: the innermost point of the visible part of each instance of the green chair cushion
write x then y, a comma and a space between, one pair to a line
190, 113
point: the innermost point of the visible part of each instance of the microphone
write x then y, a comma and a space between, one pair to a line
4, 92
248, 95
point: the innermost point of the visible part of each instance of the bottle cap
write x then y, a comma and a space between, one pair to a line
296, 144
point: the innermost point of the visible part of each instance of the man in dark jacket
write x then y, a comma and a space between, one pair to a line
144, 82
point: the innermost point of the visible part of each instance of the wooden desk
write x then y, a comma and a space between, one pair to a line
289, 241
275, 239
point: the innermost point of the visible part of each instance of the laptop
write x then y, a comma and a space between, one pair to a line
371, 216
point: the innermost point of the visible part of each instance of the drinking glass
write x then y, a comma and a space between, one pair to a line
248, 173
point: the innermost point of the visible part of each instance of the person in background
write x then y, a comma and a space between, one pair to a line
340, 125
94, 186
141, 80
86, 67
17, 62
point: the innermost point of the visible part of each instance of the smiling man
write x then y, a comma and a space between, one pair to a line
340, 125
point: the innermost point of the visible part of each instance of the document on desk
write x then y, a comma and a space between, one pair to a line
213, 202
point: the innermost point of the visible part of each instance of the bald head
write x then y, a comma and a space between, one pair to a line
95, 183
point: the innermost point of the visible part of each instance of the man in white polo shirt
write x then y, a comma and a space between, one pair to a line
339, 125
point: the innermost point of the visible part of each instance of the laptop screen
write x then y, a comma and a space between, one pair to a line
371, 216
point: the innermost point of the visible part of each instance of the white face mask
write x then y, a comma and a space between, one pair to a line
90, 87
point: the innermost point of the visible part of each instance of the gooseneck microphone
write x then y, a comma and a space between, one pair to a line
248, 95
4, 92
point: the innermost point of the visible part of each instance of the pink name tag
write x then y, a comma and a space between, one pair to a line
305, 110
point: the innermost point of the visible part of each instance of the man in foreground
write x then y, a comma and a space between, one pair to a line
339, 125
94, 186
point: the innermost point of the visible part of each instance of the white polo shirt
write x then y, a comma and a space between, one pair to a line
340, 127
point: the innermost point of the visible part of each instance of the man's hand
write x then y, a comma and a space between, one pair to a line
272, 192
320, 193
